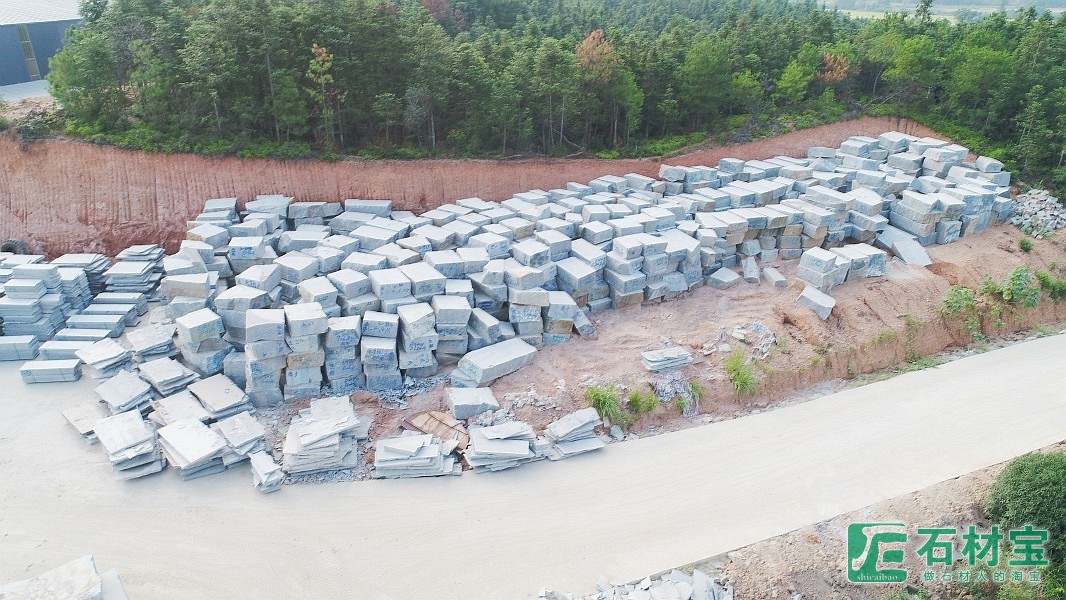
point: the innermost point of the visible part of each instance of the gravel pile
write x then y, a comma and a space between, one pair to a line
1038, 213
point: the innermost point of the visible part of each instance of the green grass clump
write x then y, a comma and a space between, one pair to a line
1025, 245
642, 402
1032, 490
886, 336
605, 401
741, 375
1053, 287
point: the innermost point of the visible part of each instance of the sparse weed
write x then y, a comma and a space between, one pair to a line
741, 374
922, 362
605, 401
886, 336
1025, 245
642, 402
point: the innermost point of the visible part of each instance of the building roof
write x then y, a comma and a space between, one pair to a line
15, 12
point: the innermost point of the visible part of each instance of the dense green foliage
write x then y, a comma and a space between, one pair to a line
1032, 490
547, 76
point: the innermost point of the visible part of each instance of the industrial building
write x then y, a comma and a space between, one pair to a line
31, 32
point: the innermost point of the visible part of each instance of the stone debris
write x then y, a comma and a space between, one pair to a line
324, 437
1035, 212
414, 455
76, 580
131, 445
675, 585
573, 434
267, 475
665, 359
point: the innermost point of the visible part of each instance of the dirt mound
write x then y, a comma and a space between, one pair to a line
64, 196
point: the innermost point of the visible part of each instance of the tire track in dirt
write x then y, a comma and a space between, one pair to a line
63, 196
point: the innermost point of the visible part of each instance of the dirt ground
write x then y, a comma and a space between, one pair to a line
67, 196
812, 560
876, 324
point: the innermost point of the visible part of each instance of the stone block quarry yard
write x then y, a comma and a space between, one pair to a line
182, 336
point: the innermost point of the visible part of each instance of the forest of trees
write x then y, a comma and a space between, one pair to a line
557, 77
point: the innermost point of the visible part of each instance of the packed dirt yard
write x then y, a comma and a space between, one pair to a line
67, 196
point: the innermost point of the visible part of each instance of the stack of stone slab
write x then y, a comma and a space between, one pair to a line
106, 358
220, 397
75, 285
194, 448
136, 276
166, 375
267, 475
94, 265
244, 436
50, 371
152, 342
573, 434
173, 408
125, 392
131, 445
18, 347
325, 437
304, 325
342, 369
61, 349
200, 341
414, 455
418, 339
665, 359
502, 446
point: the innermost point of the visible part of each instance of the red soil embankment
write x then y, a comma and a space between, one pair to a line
66, 196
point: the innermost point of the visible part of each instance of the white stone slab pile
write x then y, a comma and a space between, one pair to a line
482, 367
62, 349
30, 306
55, 305
342, 368
137, 269
94, 265
173, 408
166, 375
131, 445
200, 341
267, 475
125, 392
324, 437
502, 446
106, 358
18, 347
194, 448
304, 325
151, 342
50, 371
138, 300
414, 455
573, 434
264, 355
75, 285
244, 436
220, 397
418, 339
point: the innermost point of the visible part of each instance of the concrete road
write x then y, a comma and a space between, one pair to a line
629, 510
23, 91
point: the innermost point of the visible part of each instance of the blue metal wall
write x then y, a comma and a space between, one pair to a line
47, 39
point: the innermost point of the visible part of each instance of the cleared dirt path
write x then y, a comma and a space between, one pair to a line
66, 196
631, 509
